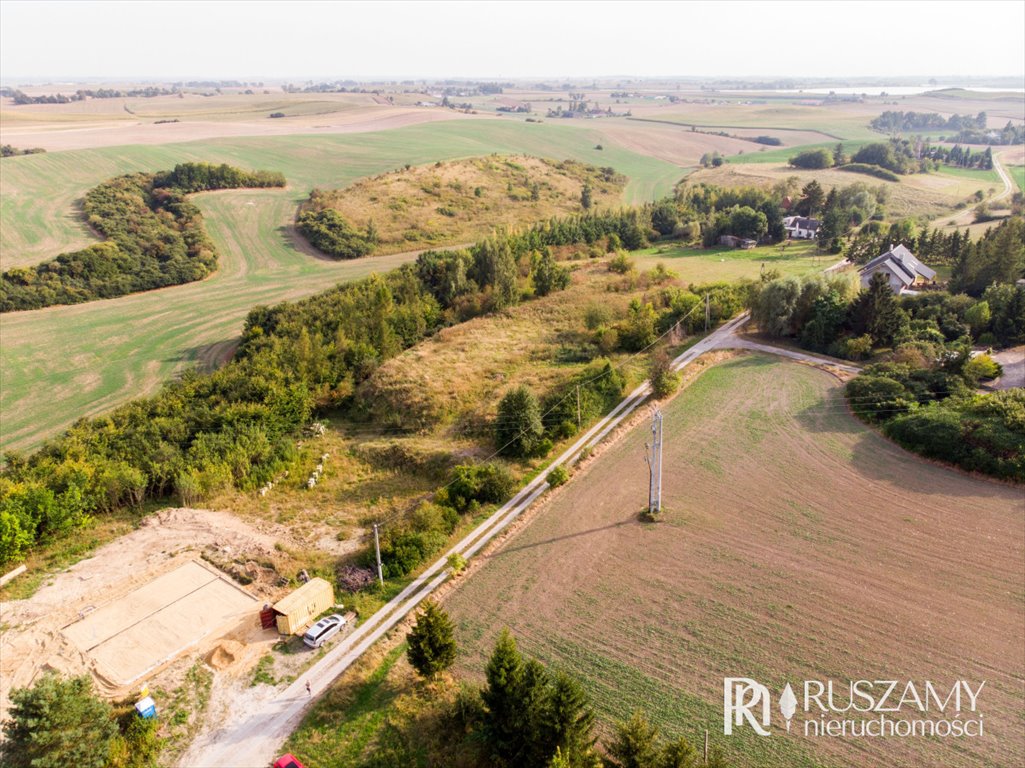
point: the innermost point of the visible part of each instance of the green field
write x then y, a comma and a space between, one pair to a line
783, 155
66, 362
1018, 174
979, 174
698, 265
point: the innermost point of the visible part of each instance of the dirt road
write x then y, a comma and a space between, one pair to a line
965, 217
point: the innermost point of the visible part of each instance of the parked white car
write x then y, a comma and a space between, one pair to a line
324, 630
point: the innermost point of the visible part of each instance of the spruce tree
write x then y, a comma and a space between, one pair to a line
503, 715
635, 744
431, 644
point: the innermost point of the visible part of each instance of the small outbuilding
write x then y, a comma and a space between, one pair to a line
296, 610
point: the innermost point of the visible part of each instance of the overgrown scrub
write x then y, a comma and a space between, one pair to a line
936, 413
155, 238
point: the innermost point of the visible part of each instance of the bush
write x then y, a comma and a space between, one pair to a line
664, 380
487, 483
814, 159
329, 232
557, 477
621, 263
871, 170
981, 368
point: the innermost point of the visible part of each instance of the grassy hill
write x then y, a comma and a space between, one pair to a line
461, 200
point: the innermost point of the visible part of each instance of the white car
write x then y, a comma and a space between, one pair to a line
324, 630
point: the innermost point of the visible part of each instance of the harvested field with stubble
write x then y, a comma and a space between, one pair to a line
797, 544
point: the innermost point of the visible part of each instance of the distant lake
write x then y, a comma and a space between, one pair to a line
875, 90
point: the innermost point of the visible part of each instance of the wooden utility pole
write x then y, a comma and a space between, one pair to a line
578, 406
706, 746
708, 313
377, 548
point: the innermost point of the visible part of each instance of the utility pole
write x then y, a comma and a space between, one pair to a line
708, 313
659, 508
654, 461
377, 548
578, 406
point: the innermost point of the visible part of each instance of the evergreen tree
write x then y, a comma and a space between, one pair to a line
678, 754
585, 197
635, 744
519, 431
503, 713
431, 642
57, 723
570, 721
812, 199
877, 313
547, 275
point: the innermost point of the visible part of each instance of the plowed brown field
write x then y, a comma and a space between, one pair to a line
797, 544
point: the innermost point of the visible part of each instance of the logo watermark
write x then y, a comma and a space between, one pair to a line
857, 708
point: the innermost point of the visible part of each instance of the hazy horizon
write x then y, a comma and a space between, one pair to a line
48, 40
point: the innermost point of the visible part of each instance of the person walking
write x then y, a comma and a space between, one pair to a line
309, 690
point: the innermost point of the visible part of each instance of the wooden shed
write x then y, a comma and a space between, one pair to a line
294, 611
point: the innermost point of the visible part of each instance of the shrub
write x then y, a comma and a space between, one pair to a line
856, 348
329, 232
871, 170
664, 380
621, 263
487, 483
812, 159
557, 476
981, 368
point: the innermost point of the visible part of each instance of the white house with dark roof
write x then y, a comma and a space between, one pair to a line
901, 268
801, 228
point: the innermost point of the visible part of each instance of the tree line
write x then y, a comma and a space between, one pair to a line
7, 150
155, 238
968, 129
236, 426
21, 98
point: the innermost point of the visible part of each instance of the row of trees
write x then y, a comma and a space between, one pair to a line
235, 427
528, 716
155, 238
20, 97
7, 150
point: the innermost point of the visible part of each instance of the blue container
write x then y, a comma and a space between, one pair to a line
146, 707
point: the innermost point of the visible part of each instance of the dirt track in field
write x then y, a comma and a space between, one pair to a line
797, 545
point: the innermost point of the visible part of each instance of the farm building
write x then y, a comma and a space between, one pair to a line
801, 228
901, 268
294, 611
737, 242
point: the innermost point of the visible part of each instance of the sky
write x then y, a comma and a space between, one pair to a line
254, 39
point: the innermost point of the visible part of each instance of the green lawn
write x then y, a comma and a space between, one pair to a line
699, 265
980, 174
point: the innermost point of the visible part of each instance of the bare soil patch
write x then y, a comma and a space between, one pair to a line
108, 615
